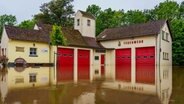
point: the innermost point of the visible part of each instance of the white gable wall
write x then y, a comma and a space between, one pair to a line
165, 68
85, 30
4, 42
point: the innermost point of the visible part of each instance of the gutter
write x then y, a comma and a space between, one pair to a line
159, 62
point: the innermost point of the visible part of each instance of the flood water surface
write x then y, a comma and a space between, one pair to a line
76, 94
32, 86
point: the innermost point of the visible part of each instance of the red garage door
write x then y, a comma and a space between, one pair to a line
83, 64
102, 65
123, 64
65, 64
145, 65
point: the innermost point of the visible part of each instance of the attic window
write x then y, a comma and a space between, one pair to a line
88, 22
167, 36
103, 36
78, 22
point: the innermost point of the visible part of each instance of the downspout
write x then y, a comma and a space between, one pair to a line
50, 64
156, 65
160, 50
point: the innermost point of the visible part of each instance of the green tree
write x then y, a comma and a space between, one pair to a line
108, 19
6, 20
56, 12
167, 10
177, 27
27, 24
94, 9
181, 10
134, 17
149, 14
57, 37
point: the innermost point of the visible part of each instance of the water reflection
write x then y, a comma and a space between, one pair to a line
33, 86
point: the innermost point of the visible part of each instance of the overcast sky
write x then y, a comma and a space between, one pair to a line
25, 9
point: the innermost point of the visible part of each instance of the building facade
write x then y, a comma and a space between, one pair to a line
142, 58
135, 58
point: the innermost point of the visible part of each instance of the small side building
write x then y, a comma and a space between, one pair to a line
142, 58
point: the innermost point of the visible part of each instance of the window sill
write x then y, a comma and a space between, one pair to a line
33, 55
166, 40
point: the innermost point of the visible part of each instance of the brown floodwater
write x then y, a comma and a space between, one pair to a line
21, 87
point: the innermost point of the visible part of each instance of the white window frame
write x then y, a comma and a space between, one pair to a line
88, 22
33, 52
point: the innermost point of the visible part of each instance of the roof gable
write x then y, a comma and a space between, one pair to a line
88, 15
145, 29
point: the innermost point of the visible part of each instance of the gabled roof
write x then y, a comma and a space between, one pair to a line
88, 15
16, 33
93, 43
74, 37
145, 29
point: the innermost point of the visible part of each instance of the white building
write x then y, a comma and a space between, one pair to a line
142, 58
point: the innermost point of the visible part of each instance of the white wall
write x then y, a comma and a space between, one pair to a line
85, 30
97, 65
165, 68
4, 42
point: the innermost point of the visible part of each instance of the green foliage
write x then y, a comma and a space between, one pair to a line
106, 19
6, 20
181, 10
177, 27
94, 9
27, 24
167, 10
56, 12
57, 37
135, 16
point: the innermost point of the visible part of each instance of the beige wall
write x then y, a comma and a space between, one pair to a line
84, 29
97, 64
43, 57
42, 77
110, 65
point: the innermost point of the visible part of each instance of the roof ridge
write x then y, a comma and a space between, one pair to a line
137, 24
23, 29
134, 30
89, 15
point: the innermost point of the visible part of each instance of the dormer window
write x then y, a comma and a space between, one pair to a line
78, 22
88, 22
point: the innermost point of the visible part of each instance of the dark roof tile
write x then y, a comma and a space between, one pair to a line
150, 28
92, 42
16, 33
85, 14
